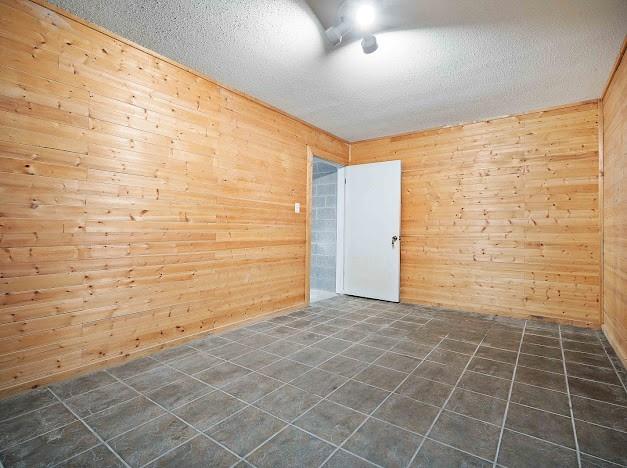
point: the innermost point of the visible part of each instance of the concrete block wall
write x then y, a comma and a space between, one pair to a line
323, 226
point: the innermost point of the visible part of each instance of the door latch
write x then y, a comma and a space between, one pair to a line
394, 239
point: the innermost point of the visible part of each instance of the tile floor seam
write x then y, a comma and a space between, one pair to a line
570, 402
437, 416
381, 403
509, 398
89, 428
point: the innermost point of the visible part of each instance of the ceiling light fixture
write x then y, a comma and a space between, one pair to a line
361, 16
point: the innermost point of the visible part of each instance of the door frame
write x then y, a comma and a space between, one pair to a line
339, 256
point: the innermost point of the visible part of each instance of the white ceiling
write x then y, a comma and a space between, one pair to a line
443, 62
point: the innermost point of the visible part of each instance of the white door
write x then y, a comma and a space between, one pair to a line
372, 223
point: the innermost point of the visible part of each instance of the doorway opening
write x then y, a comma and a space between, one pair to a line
327, 214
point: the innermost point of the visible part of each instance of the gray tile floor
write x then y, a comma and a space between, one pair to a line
347, 382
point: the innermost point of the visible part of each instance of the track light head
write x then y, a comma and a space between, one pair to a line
369, 44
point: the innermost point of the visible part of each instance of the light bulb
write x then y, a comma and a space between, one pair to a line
364, 16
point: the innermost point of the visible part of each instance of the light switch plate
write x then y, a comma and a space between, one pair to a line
296, 207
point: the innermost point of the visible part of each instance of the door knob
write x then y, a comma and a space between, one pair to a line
394, 239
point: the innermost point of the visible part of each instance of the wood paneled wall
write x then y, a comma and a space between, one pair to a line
139, 202
615, 210
501, 216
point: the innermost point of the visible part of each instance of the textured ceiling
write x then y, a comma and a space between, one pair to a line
440, 62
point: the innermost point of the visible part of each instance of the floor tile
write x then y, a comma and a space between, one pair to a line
542, 398
246, 430
541, 363
147, 442
333, 345
358, 396
222, 374
291, 447
343, 459
305, 338
285, 370
252, 386
344, 366
319, 382
397, 362
50, 448
457, 346
330, 422
540, 378
599, 374
123, 417
444, 356
379, 341
195, 362
598, 391
256, 359
154, 378
27, 426
598, 412
435, 455
427, 391
230, 350
287, 402
25, 402
282, 348
179, 393
519, 450
583, 347
538, 350
478, 406
85, 383
412, 349
259, 340
351, 334
602, 442
586, 358
381, 377
134, 367
100, 399
407, 413
99, 456
447, 374
541, 424
467, 434
383, 444
542, 340
199, 451
502, 355
362, 353
311, 356
493, 368
209, 409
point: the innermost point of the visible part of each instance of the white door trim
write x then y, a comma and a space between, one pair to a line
339, 254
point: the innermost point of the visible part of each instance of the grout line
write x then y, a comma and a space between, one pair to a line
393, 392
570, 403
509, 399
102, 441
437, 416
